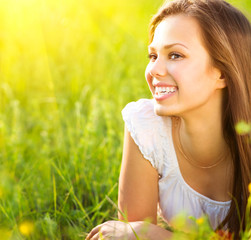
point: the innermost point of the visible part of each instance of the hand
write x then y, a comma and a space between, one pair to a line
115, 230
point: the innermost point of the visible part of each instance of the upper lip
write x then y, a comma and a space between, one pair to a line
162, 84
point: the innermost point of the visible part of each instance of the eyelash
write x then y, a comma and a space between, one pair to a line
150, 56
177, 56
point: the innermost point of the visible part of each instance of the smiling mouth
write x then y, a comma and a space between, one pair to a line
161, 91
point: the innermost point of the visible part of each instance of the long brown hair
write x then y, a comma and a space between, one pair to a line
226, 33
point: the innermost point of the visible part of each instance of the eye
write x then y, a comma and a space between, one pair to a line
152, 57
175, 56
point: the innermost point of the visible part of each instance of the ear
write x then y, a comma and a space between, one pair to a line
220, 80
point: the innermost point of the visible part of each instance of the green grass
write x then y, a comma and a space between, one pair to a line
67, 68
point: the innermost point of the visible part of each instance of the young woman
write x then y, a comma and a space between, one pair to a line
181, 150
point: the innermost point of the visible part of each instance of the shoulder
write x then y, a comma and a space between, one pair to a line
151, 133
141, 115
142, 108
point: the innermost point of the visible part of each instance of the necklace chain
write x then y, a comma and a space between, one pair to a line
188, 159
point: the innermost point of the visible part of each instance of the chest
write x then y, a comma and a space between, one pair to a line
177, 197
215, 184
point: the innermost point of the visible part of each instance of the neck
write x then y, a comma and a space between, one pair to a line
201, 135
204, 145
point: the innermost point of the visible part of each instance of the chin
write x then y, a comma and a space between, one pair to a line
161, 110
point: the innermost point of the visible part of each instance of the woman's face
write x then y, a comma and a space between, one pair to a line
180, 76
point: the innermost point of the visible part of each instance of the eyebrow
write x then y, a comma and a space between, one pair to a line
168, 46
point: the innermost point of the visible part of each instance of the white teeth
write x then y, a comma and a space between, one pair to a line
165, 90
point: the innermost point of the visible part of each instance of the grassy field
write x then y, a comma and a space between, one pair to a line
67, 68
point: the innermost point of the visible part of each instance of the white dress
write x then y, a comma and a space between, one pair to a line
153, 135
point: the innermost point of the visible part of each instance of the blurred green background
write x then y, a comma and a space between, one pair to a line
67, 68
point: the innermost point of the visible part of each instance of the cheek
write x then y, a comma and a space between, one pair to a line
148, 76
183, 73
176, 73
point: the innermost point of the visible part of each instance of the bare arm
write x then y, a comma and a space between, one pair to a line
138, 198
138, 184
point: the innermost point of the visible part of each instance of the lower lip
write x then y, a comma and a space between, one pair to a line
163, 97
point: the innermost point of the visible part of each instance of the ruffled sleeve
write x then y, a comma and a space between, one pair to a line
146, 129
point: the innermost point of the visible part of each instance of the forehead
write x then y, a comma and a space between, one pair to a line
177, 29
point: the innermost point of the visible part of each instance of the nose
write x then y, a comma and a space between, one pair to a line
158, 68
